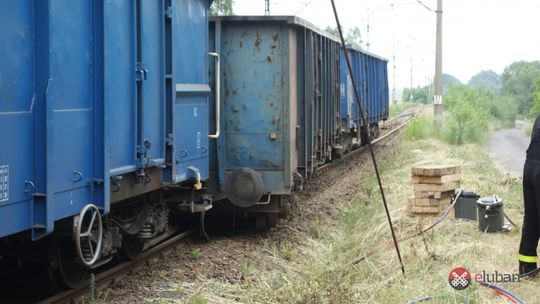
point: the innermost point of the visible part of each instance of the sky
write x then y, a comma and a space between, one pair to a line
477, 34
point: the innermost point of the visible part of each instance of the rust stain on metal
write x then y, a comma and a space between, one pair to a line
268, 58
258, 41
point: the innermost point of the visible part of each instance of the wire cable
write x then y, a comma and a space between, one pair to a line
514, 298
368, 137
439, 220
531, 273
429, 298
300, 10
425, 6
443, 216
509, 219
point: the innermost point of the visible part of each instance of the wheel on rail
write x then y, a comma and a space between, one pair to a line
265, 221
377, 130
131, 249
285, 207
338, 152
65, 269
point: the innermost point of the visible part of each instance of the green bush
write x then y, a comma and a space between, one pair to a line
470, 113
506, 110
420, 128
465, 123
535, 96
499, 110
456, 135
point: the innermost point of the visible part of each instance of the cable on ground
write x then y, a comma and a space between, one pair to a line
504, 292
439, 220
435, 297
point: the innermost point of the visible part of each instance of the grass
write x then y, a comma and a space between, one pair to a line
454, 131
98, 298
322, 270
197, 299
195, 254
322, 267
420, 128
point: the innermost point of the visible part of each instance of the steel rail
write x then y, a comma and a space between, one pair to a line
379, 139
110, 276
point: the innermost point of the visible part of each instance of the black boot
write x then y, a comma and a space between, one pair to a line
526, 268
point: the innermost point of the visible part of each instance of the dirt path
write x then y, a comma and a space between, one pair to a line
507, 148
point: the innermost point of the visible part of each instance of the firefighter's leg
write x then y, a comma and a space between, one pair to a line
530, 230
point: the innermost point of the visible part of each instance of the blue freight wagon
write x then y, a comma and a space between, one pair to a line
371, 75
284, 109
280, 108
102, 105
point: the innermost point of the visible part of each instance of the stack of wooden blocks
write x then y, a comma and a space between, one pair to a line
433, 186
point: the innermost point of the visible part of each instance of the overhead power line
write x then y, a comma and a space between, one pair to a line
300, 10
427, 7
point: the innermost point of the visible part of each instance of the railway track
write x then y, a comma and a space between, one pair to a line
390, 127
110, 276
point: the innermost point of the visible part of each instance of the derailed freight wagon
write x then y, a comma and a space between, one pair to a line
371, 76
102, 104
280, 114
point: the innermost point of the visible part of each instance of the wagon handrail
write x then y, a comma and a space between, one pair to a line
217, 94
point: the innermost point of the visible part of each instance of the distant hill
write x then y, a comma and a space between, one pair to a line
488, 80
449, 80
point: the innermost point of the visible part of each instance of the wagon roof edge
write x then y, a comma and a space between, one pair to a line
290, 19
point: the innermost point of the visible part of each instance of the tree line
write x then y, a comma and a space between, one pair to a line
519, 84
486, 102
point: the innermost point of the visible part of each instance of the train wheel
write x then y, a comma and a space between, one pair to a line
65, 269
131, 249
265, 221
338, 152
377, 131
285, 208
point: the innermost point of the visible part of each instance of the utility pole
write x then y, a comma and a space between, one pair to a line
438, 81
267, 7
